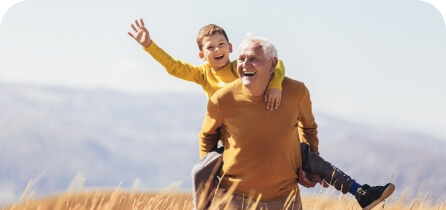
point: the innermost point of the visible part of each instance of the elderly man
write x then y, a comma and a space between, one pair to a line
262, 149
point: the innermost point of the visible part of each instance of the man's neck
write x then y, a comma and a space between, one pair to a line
259, 91
256, 92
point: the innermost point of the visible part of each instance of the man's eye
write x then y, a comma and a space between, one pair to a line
253, 59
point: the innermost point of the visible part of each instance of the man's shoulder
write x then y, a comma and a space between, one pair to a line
228, 89
292, 83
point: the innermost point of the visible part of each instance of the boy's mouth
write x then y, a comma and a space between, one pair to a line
249, 73
219, 57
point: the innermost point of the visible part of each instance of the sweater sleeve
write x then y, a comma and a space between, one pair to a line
210, 130
307, 124
177, 68
279, 74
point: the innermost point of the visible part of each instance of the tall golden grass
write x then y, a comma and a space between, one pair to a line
173, 198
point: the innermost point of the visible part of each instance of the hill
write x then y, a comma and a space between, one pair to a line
51, 134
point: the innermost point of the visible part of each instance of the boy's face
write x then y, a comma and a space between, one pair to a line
216, 51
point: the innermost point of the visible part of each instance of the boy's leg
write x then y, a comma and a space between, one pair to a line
205, 170
314, 163
367, 196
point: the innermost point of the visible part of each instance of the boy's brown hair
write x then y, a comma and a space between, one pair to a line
209, 30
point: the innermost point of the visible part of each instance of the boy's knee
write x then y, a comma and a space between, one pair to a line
207, 166
196, 170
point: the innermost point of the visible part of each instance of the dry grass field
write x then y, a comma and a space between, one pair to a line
171, 198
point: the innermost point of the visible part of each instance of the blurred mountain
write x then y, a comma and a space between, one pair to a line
50, 134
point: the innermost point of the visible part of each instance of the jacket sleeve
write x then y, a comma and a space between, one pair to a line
176, 68
278, 75
307, 125
210, 130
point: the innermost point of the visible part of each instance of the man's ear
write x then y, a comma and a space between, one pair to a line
274, 64
201, 55
230, 48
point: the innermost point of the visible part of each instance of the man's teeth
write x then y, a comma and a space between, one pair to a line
249, 73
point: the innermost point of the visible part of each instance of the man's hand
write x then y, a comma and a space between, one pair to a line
308, 179
272, 98
142, 35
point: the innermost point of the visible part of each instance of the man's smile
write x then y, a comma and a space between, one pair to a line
249, 73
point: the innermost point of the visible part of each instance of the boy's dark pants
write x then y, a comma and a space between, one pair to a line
313, 163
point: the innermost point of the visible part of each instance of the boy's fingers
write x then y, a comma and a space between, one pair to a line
137, 24
277, 103
134, 28
274, 103
142, 22
266, 97
130, 34
270, 103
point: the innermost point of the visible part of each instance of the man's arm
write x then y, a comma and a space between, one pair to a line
210, 129
307, 125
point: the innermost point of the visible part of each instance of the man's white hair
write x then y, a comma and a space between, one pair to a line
268, 48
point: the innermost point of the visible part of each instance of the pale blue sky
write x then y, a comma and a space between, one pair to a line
376, 62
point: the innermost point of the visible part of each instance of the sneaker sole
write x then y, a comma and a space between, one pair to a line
387, 192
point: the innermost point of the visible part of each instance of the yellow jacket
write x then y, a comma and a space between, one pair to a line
204, 75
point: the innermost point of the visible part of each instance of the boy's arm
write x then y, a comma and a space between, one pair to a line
273, 94
279, 74
177, 68
174, 67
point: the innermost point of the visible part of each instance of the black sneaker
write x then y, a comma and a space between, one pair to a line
368, 197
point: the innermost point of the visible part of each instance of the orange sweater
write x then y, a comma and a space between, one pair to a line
262, 147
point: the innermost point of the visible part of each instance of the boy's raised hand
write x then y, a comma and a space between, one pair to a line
142, 35
272, 98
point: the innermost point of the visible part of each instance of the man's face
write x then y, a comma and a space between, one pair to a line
253, 67
216, 51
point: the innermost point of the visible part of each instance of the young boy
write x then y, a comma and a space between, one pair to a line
216, 72
215, 48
